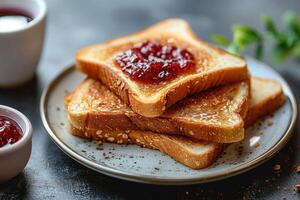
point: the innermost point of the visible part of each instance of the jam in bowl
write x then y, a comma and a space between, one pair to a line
15, 142
10, 131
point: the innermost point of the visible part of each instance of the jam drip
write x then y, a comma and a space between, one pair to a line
10, 132
151, 62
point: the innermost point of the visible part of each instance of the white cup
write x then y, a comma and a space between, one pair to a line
20, 49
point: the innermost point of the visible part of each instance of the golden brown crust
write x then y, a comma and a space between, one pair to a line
131, 121
180, 91
169, 145
267, 105
174, 146
122, 86
119, 137
178, 147
209, 104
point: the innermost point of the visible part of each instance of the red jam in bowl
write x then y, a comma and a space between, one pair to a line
10, 131
151, 62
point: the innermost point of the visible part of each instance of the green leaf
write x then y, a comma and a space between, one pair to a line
270, 27
259, 51
245, 35
219, 39
280, 52
291, 39
292, 22
287, 43
296, 50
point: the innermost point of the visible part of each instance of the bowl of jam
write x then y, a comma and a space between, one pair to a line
15, 142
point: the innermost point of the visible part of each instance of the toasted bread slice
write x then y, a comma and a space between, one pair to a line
215, 115
266, 97
213, 67
192, 153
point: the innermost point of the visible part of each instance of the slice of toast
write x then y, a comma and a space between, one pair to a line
213, 67
190, 152
267, 96
215, 115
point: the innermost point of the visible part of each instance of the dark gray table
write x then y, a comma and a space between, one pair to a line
50, 174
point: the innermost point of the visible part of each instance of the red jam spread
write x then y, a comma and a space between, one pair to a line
10, 131
151, 62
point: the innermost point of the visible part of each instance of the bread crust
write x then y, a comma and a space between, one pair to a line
123, 120
170, 145
155, 107
266, 106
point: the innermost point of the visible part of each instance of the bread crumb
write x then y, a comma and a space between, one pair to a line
269, 122
298, 168
110, 139
98, 132
119, 134
86, 134
276, 167
99, 142
120, 141
257, 145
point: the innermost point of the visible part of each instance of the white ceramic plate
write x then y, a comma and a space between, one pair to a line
150, 166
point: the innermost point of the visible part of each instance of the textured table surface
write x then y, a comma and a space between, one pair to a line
73, 24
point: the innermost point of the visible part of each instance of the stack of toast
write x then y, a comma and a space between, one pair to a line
190, 116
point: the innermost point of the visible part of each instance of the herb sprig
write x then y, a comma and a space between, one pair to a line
285, 43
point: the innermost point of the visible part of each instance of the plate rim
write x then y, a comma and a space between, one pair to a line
158, 180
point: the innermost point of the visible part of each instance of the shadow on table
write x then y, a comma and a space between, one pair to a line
17, 188
24, 98
21, 96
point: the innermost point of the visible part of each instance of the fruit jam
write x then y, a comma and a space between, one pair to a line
10, 131
151, 62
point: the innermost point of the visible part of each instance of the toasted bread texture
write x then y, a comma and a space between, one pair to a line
190, 152
215, 115
213, 67
266, 97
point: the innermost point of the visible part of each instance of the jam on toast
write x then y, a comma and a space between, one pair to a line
153, 69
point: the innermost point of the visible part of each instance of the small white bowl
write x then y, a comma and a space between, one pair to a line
14, 157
